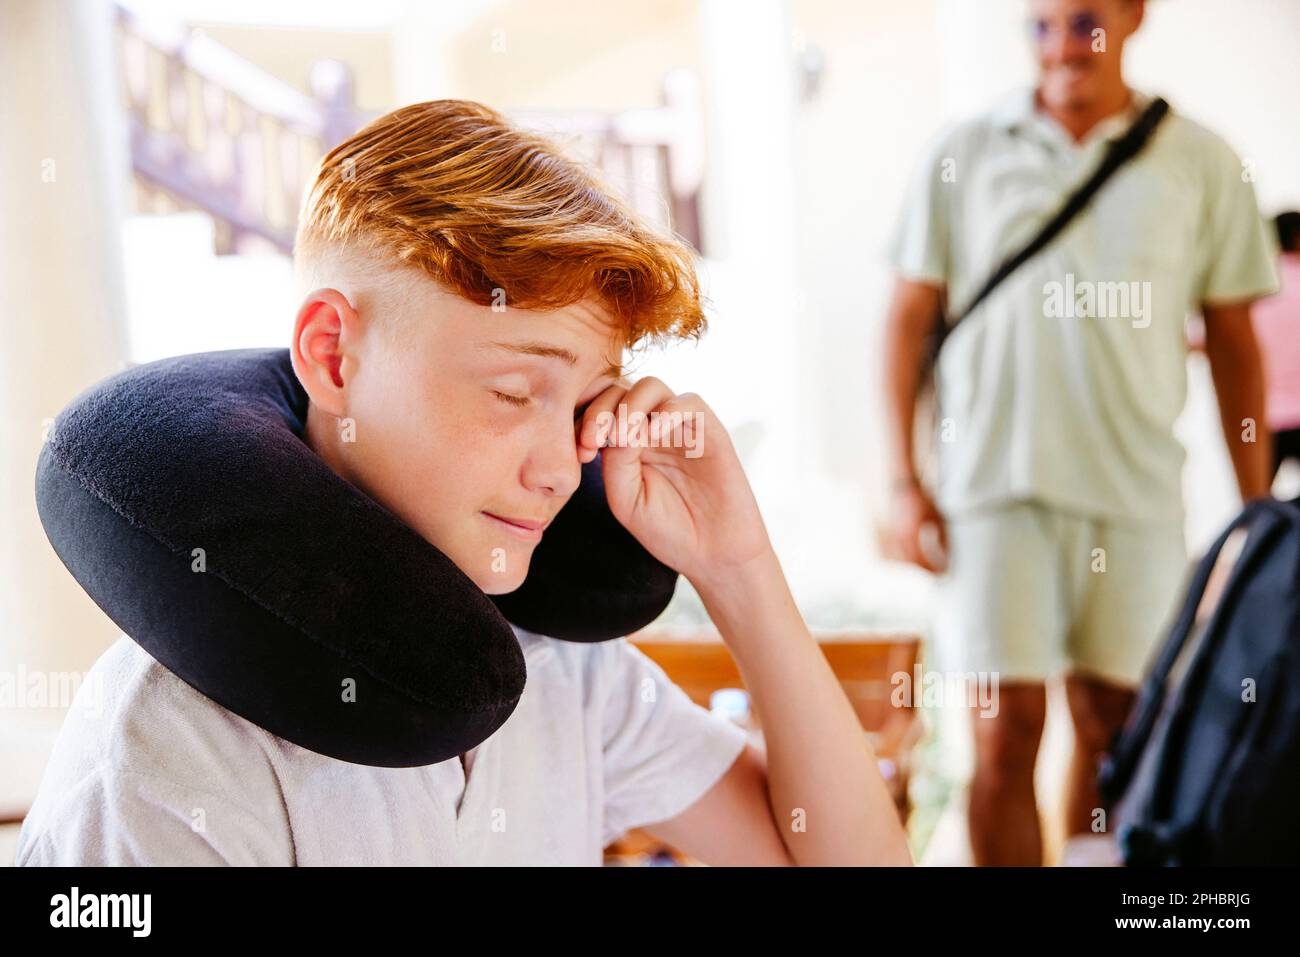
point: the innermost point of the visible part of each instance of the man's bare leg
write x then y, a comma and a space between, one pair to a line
1003, 821
1097, 709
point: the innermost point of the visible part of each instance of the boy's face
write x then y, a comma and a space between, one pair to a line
463, 416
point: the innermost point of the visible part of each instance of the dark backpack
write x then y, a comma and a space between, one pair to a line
1201, 774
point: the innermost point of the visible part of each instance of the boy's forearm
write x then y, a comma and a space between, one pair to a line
828, 799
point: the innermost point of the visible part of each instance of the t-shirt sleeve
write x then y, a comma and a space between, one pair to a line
1237, 255
919, 246
662, 751
116, 817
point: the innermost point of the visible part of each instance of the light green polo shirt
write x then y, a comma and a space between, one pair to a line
1065, 383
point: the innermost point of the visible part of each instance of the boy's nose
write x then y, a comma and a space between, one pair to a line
553, 465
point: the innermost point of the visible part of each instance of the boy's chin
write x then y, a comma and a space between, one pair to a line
501, 586
507, 580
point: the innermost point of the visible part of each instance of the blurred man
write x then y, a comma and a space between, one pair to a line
1058, 510
1277, 324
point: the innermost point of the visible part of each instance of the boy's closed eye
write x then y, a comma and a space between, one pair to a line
511, 399
521, 401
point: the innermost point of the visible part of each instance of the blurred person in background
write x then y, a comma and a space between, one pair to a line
1277, 326
1058, 513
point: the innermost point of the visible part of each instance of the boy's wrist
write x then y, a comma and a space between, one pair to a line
731, 577
738, 595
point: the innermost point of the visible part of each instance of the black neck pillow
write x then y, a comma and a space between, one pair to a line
182, 497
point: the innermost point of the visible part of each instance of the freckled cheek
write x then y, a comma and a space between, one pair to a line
487, 453
469, 433
479, 430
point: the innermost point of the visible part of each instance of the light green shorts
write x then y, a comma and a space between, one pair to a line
1032, 591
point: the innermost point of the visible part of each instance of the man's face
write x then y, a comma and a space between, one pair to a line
1078, 45
465, 419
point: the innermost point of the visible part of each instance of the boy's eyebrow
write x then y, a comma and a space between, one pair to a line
538, 349
548, 351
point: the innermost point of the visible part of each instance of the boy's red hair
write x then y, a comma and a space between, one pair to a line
490, 210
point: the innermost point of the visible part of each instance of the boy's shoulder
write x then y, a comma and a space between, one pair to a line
138, 739
132, 712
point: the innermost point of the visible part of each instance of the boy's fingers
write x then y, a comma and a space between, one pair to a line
626, 439
619, 414
645, 395
592, 419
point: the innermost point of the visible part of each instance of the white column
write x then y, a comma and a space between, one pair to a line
749, 226
63, 175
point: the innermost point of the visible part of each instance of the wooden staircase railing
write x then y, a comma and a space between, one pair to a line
212, 131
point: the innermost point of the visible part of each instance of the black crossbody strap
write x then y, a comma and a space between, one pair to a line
1118, 153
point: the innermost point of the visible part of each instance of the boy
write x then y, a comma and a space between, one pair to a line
471, 294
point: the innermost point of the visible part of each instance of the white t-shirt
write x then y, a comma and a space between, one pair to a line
1054, 388
146, 770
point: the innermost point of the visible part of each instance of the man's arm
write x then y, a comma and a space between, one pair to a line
908, 325
816, 797
1239, 384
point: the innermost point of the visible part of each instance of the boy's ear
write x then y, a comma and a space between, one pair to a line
326, 327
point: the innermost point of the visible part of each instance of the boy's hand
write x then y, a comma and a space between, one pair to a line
675, 482
673, 479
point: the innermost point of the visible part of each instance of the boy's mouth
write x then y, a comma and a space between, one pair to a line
527, 529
